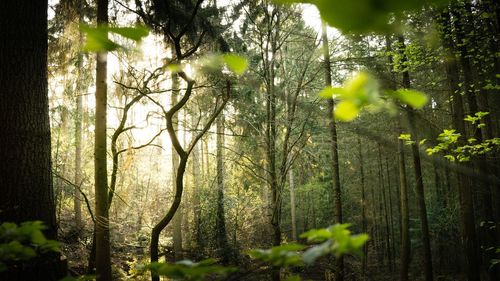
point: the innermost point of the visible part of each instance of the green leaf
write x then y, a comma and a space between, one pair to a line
412, 98
361, 15
283, 255
98, 40
329, 92
346, 111
315, 252
134, 33
235, 63
174, 67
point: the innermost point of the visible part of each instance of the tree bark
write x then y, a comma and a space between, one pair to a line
419, 187
405, 216
177, 220
221, 235
103, 255
25, 150
339, 272
291, 184
464, 186
364, 259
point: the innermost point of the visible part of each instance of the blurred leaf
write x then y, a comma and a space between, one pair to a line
346, 111
317, 251
283, 255
362, 16
98, 41
174, 67
235, 63
329, 92
134, 33
412, 98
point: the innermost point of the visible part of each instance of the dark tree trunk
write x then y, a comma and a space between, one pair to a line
339, 272
464, 186
102, 239
405, 216
419, 187
25, 165
363, 208
221, 235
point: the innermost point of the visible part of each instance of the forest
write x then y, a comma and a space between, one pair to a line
250, 140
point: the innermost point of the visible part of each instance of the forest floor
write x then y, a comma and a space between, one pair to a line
128, 255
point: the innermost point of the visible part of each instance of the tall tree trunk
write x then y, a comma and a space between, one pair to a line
77, 198
384, 210
405, 216
291, 184
464, 185
103, 255
339, 272
419, 187
221, 235
391, 215
25, 168
177, 220
197, 186
363, 207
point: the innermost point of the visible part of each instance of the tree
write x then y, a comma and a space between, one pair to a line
339, 272
102, 237
25, 151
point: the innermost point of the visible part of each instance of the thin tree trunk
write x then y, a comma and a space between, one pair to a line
405, 216
391, 215
419, 188
339, 272
103, 255
384, 209
221, 235
177, 220
363, 207
78, 145
291, 183
197, 186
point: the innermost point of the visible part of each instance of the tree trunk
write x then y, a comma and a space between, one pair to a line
197, 186
77, 198
177, 220
383, 210
405, 216
291, 184
464, 186
363, 207
419, 188
391, 215
221, 235
25, 168
103, 255
339, 272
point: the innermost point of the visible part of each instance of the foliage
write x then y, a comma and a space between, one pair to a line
23, 242
361, 16
216, 62
282, 255
449, 142
336, 239
98, 41
363, 90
